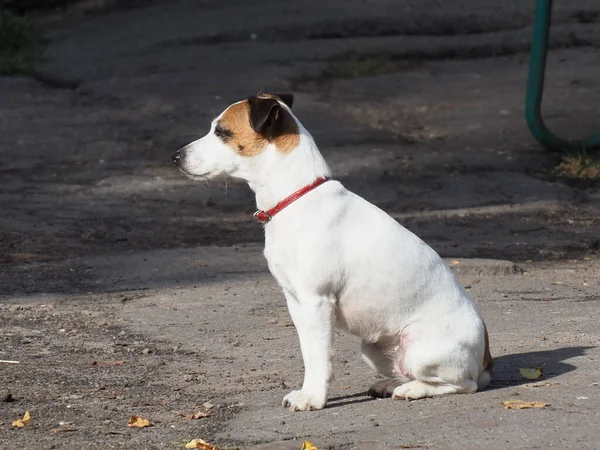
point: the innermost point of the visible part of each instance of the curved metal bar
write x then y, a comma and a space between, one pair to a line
535, 88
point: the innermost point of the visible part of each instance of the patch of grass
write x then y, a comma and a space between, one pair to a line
364, 65
580, 167
19, 44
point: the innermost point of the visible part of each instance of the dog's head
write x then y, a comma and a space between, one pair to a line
243, 136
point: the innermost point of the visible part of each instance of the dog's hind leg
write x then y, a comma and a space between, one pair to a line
384, 388
380, 357
377, 357
437, 369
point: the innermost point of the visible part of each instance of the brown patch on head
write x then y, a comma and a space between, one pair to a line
235, 131
249, 126
488, 362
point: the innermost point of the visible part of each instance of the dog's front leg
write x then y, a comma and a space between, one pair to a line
312, 316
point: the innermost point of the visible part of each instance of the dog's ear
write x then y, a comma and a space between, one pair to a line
288, 99
264, 113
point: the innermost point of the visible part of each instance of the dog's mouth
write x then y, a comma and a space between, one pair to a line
197, 176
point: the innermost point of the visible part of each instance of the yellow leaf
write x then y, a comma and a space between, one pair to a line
198, 415
62, 430
199, 443
520, 404
532, 373
20, 423
138, 422
456, 262
308, 446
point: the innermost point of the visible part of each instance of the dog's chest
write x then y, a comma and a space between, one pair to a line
285, 258
281, 265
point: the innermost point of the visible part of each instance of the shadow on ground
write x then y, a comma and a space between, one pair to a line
506, 371
506, 368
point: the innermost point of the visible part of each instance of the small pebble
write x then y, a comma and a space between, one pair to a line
6, 396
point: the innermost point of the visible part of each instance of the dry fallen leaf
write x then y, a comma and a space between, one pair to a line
138, 422
198, 415
199, 263
20, 423
62, 429
531, 373
308, 446
548, 383
199, 443
285, 323
119, 362
412, 446
520, 404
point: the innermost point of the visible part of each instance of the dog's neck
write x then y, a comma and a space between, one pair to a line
282, 175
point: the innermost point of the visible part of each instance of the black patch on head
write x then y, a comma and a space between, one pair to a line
269, 118
264, 112
288, 99
223, 133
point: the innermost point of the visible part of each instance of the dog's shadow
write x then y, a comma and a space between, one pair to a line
506, 368
506, 371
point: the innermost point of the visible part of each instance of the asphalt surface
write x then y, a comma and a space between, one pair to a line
127, 289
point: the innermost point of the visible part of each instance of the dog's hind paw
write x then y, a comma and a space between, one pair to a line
417, 389
303, 401
384, 388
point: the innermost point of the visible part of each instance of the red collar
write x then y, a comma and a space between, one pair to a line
266, 216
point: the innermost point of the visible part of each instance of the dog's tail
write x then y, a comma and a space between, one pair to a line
488, 364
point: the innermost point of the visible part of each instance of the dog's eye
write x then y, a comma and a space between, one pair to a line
223, 133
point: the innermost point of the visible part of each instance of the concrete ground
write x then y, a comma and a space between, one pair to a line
127, 289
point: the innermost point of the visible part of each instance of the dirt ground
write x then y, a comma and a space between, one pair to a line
127, 289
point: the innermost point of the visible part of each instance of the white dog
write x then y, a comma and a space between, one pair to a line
342, 261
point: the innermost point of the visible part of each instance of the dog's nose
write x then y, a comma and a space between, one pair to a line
177, 157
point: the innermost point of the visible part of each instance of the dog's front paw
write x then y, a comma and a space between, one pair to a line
303, 401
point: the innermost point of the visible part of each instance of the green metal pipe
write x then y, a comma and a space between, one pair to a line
535, 89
